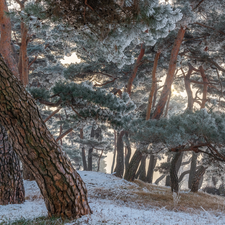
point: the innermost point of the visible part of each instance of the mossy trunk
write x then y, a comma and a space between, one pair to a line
11, 182
63, 189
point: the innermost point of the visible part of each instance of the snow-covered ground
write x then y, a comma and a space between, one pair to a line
107, 198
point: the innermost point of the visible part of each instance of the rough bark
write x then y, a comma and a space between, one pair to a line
120, 155
5, 40
170, 75
173, 173
11, 182
192, 169
198, 176
133, 166
153, 88
133, 75
27, 174
63, 190
151, 167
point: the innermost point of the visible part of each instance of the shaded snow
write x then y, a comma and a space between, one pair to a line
108, 211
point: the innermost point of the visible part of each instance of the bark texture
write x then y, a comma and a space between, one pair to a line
63, 190
27, 174
11, 182
133, 166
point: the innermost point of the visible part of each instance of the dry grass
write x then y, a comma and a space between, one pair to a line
148, 195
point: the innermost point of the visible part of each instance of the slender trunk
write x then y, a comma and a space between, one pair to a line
63, 189
11, 182
153, 88
151, 167
133, 166
23, 59
192, 169
198, 176
167, 104
90, 151
170, 75
188, 88
99, 160
142, 169
5, 40
114, 154
83, 151
173, 173
120, 155
168, 181
205, 87
133, 75
160, 178
127, 158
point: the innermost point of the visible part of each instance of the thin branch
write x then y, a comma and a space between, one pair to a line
64, 134
76, 112
108, 82
203, 25
52, 114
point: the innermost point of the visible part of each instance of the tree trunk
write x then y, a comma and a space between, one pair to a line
120, 155
205, 87
11, 182
83, 151
142, 169
114, 154
90, 159
63, 190
199, 174
168, 181
127, 157
153, 88
5, 40
133, 165
173, 173
160, 178
192, 169
151, 167
170, 75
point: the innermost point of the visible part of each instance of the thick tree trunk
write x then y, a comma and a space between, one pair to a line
198, 176
192, 169
173, 173
151, 167
63, 190
120, 155
133, 166
11, 182
142, 169
170, 75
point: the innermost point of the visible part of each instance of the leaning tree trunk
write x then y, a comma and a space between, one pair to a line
173, 173
198, 176
133, 166
63, 189
192, 169
120, 155
11, 182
